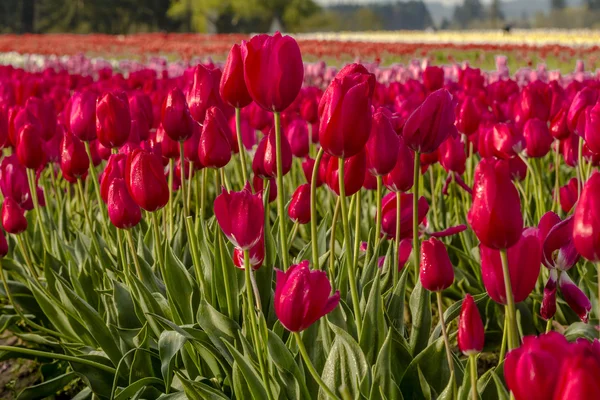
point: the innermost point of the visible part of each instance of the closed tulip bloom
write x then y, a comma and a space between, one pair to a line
532, 370
240, 216
578, 378
204, 91
568, 195
401, 177
214, 147
258, 184
574, 296
297, 135
273, 70
302, 297
433, 78
431, 123
308, 165
536, 99
140, 108
309, 106
146, 181
249, 139
74, 160
388, 214
169, 148
30, 147
471, 333
345, 114
452, 155
258, 118
505, 141
13, 181
436, 272
299, 209
382, 144
576, 117
467, 116
592, 128
17, 119
257, 255
570, 150
269, 156
232, 86
82, 116
13, 219
586, 223
495, 215
45, 113
115, 168
524, 260
537, 138
258, 162
176, 119
123, 212
355, 168
559, 128
113, 120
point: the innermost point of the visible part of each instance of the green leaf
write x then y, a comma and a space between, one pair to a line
372, 335
47, 388
284, 361
219, 328
199, 390
169, 344
180, 288
395, 308
249, 373
581, 330
135, 387
420, 309
383, 386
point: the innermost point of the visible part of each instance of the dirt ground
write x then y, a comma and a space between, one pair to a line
15, 375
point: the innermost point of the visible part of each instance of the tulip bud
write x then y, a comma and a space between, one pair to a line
309, 106
354, 173
204, 92
214, 147
505, 141
115, 168
258, 183
388, 214
74, 160
558, 125
576, 118
382, 144
269, 161
140, 108
257, 255
308, 164
433, 78
537, 138
568, 195
431, 123
452, 155
345, 113
467, 117
586, 223
232, 86
302, 297
273, 88
176, 119
299, 209
82, 116
240, 216
123, 212
535, 102
113, 120
471, 333
248, 135
13, 220
495, 215
436, 273
574, 297
592, 128
145, 179
30, 150
524, 259
258, 118
297, 136
13, 181
45, 113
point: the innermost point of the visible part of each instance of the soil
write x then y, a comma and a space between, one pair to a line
15, 374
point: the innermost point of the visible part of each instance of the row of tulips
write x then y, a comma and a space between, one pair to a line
143, 256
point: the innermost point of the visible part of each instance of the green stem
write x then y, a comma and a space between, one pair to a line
349, 258
379, 216
38, 209
160, 258
513, 339
203, 183
281, 194
549, 325
504, 340
396, 263
416, 242
444, 331
336, 213
136, 262
58, 356
357, 216
598, 274
171, 198
473, 363
580, 167
293, 234
557, 178
311, 367
87, 216
28, 262
183, 188
313, 210
238, 128
94, 177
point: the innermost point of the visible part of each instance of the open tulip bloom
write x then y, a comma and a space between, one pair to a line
263, 227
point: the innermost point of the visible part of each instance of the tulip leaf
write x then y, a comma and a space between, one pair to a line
219, 328
285, 363
199, 390
395, 307
169, 344
251, 376
99, 380
47, 388
581, 330
420, 309
180, 289
136, 386
372, 335
383, 386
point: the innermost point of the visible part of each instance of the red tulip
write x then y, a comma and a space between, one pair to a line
355, 168
13, 181
248, 135
576, 118
269, 161
431, 123
558, 248
302, 297
258, 183
82, 116
309, 106
505, 141
123, 212
536, 99
433, 78
592, 128
169, 147
74, 160
537, 138
257, 255
214, 147
140, 108
204, 92
548, 307
436, 272
401, 177
115, 168
578, 378
299, 209
258, 118
452, 155
13, 220
297, 136
30, 148
495, 215
388, 213
558, 125
273, 70
568, 195
532, 370
146, 180
113, 120
232, 86
574, 297
471, 333
176, 119
308, 165
524, 259
467, 116
241, 216
586, 222
382, 144
45, 113
345, 112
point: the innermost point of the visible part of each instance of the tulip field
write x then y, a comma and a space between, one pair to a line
266, 220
